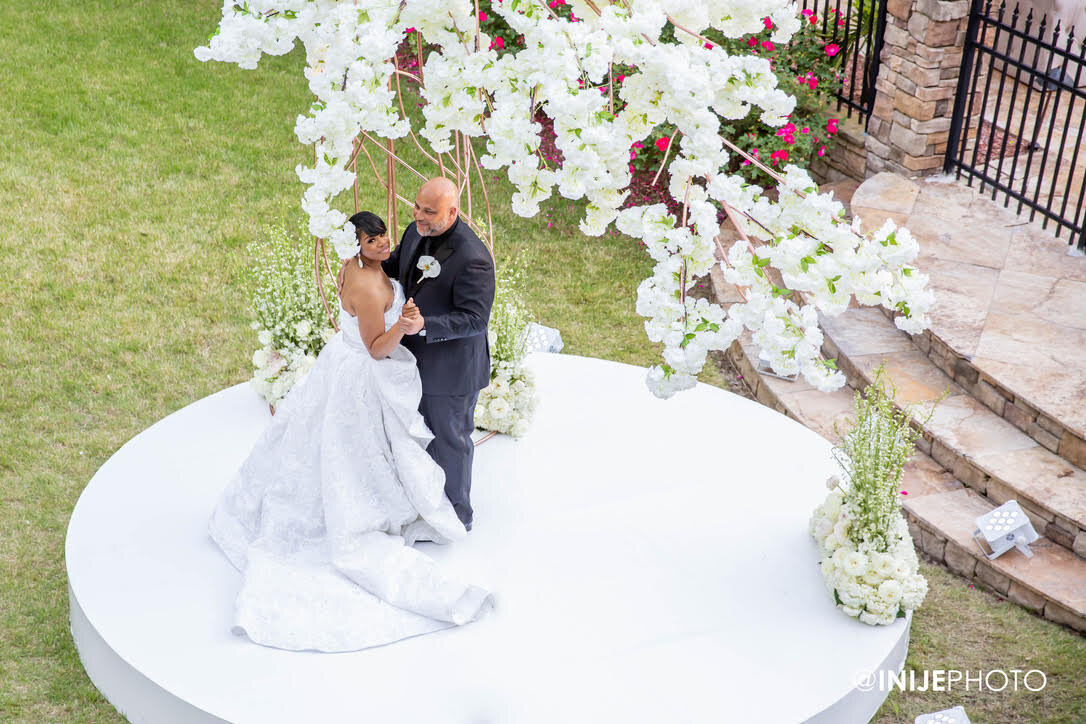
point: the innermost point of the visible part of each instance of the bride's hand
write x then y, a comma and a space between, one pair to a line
412, 324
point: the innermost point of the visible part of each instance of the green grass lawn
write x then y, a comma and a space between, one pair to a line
131, 178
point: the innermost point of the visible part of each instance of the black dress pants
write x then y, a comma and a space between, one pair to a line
451, 418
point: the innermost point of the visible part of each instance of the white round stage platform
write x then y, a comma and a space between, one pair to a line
650, 562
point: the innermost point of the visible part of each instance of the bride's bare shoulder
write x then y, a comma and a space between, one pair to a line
365, 291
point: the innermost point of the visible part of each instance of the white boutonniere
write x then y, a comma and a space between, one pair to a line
430, 267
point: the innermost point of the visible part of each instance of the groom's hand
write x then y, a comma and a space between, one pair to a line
411, 320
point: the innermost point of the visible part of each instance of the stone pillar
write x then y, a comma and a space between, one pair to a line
918, 78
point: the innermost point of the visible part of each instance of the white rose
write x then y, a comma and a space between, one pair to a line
498, 408
890, 590
854, 563
872, 577
834, 543
276, 362
303, 329
264, 337
882, 564
260, 358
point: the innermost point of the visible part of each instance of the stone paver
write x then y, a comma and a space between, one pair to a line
1010, 311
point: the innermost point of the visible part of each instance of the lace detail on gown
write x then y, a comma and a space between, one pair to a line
321, 515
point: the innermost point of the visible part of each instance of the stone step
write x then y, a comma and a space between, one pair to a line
982, 449
1008, 303
940, 509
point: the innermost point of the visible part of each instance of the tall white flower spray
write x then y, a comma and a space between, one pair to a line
477, 102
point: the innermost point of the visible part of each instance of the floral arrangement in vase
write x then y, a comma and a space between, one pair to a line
507, 403
288, 314
867, 556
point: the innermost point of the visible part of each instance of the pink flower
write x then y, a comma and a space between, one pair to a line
754, 152
752, 42
767, 45
410, 30
831, 126
821, 151
482, 17
832, 49
621, 78
768, 23
662, 143
498, 43
787, 130
807, 13
812, 82
805, 130
841, 23
638, 144
709, 46
813, 20
780, 155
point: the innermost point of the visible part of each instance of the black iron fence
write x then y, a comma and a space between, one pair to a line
856, 28
1019, 115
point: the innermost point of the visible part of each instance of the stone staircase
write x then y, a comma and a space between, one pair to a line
969, 460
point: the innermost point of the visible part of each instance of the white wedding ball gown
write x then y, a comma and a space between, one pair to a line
321, 515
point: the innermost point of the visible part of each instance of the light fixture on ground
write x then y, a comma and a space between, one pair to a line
542, 339
946, 716
1004, 528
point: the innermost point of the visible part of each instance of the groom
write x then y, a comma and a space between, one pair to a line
448, 335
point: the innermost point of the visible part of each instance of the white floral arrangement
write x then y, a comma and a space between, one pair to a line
506, 405
564, 70
868, 560
288, 314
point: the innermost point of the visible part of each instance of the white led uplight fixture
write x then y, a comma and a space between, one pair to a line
1003, 528
946, 716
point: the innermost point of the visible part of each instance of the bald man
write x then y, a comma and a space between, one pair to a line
448, 335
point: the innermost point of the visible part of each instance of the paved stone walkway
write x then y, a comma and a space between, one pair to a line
1010, 317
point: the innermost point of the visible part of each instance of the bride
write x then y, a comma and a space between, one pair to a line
321, 516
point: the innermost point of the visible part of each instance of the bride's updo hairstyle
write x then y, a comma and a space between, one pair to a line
367, 224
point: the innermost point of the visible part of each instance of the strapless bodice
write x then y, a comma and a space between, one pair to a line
348, 323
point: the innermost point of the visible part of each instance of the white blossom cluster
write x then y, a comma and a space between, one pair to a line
288, 314
507, 404
875, 586
278, 370
563, 71
868, 560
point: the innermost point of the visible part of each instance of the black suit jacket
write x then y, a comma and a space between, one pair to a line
453, 356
